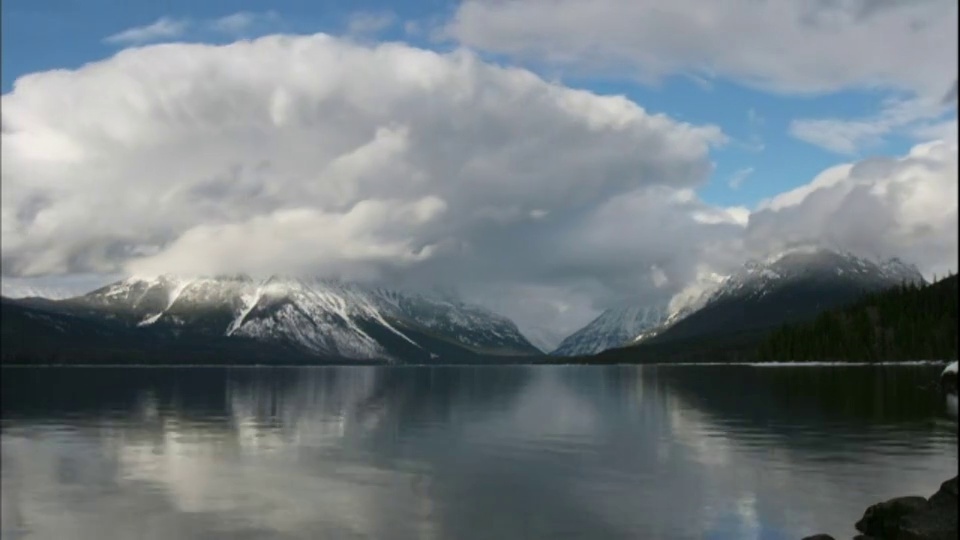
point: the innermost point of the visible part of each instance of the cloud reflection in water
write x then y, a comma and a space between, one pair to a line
463, 452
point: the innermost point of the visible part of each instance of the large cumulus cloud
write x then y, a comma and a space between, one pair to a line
315, 154
363, 154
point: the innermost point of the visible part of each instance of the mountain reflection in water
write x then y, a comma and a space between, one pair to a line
465, 452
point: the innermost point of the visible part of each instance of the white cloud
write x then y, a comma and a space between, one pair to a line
367, 23
753, 142
163, 29
849, 136
56, 286
930, 131
412, 28
242, 22
314, 154
905, 207
905, 47
779, 45
739, 176
372, 231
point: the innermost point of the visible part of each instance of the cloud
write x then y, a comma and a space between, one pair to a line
738, 177
777, 45
950, 98
906, 48
315, 154
849, 136
163, 29
370, 232
368, 23
55, 286
242, 22
945, 130
885, 207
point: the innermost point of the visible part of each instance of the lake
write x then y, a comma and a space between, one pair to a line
646, 452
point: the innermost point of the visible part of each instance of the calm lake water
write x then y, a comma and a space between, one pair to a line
465, 452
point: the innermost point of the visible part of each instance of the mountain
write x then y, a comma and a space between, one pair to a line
613, 328
794, 286
791, 288
315, 318
38, 331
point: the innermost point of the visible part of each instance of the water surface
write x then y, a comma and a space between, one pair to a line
465, 452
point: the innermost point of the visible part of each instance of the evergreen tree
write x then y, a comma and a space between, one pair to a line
909, 321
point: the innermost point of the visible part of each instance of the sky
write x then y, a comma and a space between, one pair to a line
548, 158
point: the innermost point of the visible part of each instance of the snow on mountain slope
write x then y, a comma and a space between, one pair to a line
797, 282
613, 328
756, 278
326, 317
324, 320
471, 325
834, 276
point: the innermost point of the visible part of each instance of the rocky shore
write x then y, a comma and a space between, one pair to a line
910, 518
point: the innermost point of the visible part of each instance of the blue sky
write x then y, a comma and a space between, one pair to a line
55, 34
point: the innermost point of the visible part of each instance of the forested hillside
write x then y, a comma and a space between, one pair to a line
908, 322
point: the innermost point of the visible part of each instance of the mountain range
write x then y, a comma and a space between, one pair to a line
237, 319
299, 319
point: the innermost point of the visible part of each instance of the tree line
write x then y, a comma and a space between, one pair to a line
908, 322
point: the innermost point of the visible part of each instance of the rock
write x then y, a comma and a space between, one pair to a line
914, 518
819, 537
947, 490
883, 519
938, 520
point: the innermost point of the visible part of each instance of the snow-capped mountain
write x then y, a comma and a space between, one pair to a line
327, 318
757, 278
788, 287
613, 328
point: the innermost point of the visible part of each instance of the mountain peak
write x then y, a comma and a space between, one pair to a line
792, 286
808, 261
825, 275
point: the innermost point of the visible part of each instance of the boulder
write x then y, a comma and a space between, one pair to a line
938, 520
914, 518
